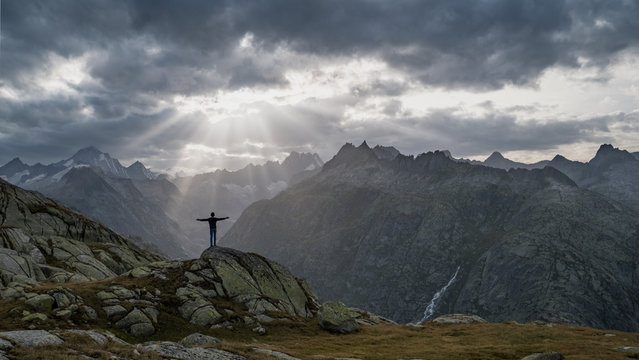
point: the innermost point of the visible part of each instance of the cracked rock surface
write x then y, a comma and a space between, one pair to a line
41, 240
249, 279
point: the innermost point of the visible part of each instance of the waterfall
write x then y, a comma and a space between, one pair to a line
430, 309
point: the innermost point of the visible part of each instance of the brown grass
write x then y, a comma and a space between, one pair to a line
460, 341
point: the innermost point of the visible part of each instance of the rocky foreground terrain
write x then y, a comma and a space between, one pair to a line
59, 269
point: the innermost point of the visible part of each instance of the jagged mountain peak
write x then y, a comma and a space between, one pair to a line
559, 158
15, 160
608, 155
385, 152
13, 166
307, 161
495, 156
351, 155
88, 154
447, 154
92, 156
138, 171
606, 148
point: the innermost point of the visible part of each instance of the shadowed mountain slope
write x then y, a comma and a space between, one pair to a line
387, 235
612, 172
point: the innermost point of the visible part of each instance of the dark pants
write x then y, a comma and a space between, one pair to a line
213, 236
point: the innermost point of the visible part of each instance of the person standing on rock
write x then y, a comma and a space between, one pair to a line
213, 227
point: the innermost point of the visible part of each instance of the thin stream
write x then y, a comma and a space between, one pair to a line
430, 309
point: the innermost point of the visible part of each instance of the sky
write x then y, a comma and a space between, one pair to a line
193, 86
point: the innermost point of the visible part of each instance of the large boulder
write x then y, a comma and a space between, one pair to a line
336, 317
136, 323
31, 337
41, 303
259, 283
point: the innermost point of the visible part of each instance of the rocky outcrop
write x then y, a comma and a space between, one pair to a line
336, 317
222, 289
41, 240
262, 286
57, 303
134, 310
389, 235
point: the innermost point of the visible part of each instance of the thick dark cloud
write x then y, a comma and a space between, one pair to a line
484, 44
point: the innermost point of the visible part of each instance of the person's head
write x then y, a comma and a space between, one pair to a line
212, 214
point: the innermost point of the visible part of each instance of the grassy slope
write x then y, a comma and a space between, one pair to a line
460, 341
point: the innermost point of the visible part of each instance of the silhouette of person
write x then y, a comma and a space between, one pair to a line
213, 227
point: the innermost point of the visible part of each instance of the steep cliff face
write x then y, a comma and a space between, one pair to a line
386, 235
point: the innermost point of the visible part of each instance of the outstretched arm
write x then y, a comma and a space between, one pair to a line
200, 219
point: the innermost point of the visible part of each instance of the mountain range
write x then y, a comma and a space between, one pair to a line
70, 288
612, 172
147, 207
38, 176
414, 237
